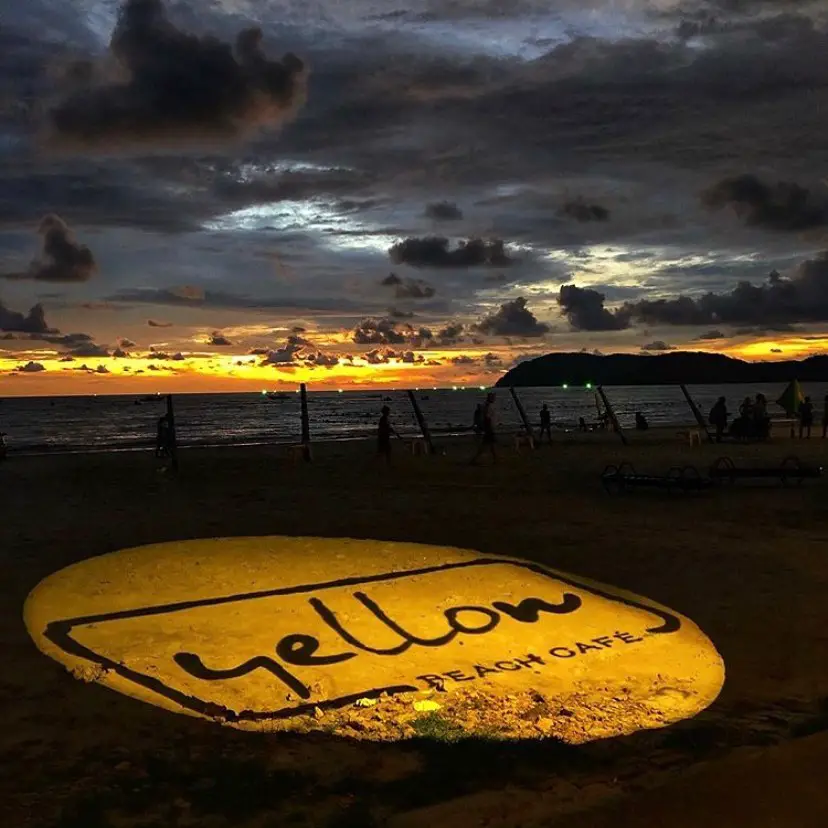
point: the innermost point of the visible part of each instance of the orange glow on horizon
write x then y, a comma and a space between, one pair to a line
207, 372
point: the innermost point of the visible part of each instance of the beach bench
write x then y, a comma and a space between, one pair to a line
724, 470
692, 435
523, 441
417, 445
681, 479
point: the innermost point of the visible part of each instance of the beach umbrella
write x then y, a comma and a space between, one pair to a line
791, 398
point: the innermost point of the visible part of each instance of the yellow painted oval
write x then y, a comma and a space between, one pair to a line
296, 633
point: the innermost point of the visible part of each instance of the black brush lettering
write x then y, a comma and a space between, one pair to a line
299, 649
452, 613
393, 625
329, 617
529, 609
192, 664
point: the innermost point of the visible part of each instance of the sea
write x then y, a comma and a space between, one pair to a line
37, 425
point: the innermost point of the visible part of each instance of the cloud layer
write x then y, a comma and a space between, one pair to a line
171, 87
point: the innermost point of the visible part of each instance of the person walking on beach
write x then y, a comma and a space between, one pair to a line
718, 417
545, 424
477, 422
488, 441
761, 421
384, 432
806, 417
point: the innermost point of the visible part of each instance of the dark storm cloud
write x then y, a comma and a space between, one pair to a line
512, 319
584, 308
584, 212
285, 355
219, 340
377, 332
62, 258
802, 297
708, 336
434, 251
175, 88
409, 288
34, 322
31, 368
658, 345
783, 205
451, 333
125, 343
90, 349
443, 211
323, 360
396, 313
154, 323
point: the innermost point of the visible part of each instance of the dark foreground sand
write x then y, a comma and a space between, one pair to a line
749, 565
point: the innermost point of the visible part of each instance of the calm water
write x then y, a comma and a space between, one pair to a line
119, 422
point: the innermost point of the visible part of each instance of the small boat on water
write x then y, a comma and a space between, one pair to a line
277, 395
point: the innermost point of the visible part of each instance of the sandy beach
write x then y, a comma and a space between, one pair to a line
746, 563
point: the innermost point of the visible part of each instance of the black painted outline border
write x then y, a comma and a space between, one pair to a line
60, 634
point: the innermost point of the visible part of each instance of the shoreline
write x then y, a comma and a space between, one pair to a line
780, 429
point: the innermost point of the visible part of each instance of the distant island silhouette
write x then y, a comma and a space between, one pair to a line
691, 367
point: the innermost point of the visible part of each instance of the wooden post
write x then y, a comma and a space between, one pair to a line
519, 405
173, 445
611, 414
421, 422
696, 413
303, 395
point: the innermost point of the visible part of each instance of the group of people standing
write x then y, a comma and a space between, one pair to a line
753, 422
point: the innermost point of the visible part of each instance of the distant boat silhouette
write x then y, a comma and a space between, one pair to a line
277, 395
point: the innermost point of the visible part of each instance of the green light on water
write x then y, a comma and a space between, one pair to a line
589, 385
564, 386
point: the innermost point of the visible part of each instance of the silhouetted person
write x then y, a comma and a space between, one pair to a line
384, 432
825, 416
641, 421
163, 437
3, 449
806, 417
477, 423
582, 426
545, 423
489, 439
761, 421
718, 417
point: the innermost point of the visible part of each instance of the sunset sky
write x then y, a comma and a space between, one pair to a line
413, 193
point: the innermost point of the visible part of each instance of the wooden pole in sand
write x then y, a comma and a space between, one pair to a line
696, 413
421, 422
172, 448
519, 405
303, 396
611, 414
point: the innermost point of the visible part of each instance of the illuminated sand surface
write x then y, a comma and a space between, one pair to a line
363, 637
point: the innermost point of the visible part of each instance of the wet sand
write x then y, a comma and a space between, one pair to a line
748, 564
